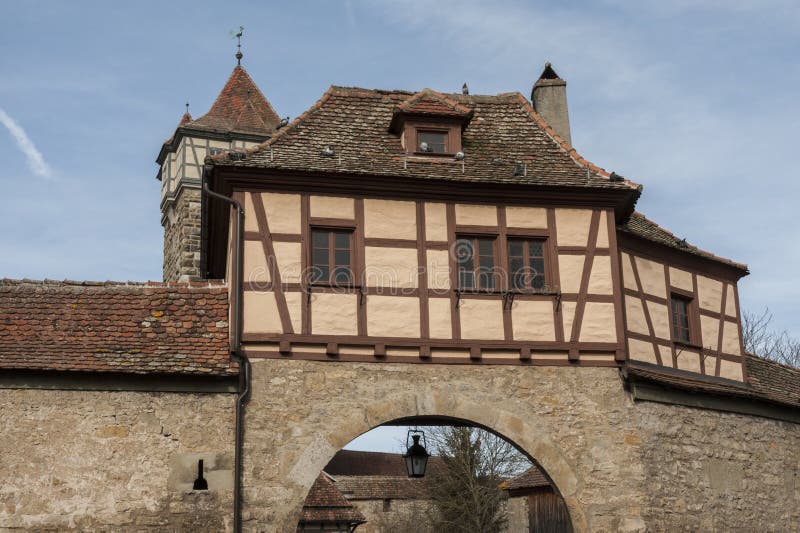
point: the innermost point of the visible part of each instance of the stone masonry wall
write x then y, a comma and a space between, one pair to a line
182, 237
111, 461
620, 466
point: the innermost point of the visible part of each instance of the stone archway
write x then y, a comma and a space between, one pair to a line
303, 412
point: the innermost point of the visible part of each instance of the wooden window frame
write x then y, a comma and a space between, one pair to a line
418, 131
473, 238
332, 230
451, 129
692, 318
546, 274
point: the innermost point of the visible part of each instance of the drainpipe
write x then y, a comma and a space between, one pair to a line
235, 347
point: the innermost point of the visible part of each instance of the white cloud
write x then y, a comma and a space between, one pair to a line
36, 161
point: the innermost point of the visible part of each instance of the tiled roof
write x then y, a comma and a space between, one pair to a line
532, 478
382, 487
780, 383
240, 108
641, 226
768, 381
141, 328
325, 503
360, 463
504, 132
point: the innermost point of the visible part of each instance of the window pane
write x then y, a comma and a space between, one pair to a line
486, 247
536, 248
485, 279
515, 248
342, 239
342, 257
517, 267
537, 282
342, 275
466, 279
320, 239
320, 273
436, 142
537, 267
464, 251
320, 257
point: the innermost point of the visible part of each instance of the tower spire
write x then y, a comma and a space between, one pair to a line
239, 54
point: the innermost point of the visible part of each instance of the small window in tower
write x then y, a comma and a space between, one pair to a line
526, 264
475, 256
432, 142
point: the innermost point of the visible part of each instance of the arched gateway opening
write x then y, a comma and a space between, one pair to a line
430, 474
303, 412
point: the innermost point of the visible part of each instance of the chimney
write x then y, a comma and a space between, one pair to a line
549, 97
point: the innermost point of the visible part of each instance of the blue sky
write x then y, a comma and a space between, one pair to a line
697, 100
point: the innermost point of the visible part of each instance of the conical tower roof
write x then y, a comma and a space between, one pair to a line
240, 108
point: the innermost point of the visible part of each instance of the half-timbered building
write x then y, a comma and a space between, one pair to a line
392, 257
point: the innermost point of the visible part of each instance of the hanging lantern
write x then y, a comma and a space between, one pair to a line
416, 455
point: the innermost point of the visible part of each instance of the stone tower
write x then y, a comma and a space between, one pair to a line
549, 97
241, 117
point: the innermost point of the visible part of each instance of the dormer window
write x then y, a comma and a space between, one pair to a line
431, 124
432, 142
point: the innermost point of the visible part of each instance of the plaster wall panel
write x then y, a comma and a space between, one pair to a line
261, 313
572, 226
283, 212
390, 219
570, 272
709, 292
526, 217
391, 267
332, 207
600, 281
598, 323
681, 279
481, 319
533, 320
435, 222
652, 276
393, 316
438, 269
334, 314
641, 351
439, 315
659, 315
634, 315
255, 262
289, 261
476, 215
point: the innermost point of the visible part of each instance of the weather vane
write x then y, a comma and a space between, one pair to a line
238, 44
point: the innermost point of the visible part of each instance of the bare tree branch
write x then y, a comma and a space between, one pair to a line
760, 339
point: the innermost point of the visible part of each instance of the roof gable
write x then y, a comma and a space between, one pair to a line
429, 102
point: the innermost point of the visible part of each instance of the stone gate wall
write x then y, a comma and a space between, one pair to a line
115, 461
620, 465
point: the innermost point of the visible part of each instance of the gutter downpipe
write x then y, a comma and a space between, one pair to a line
235, 348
